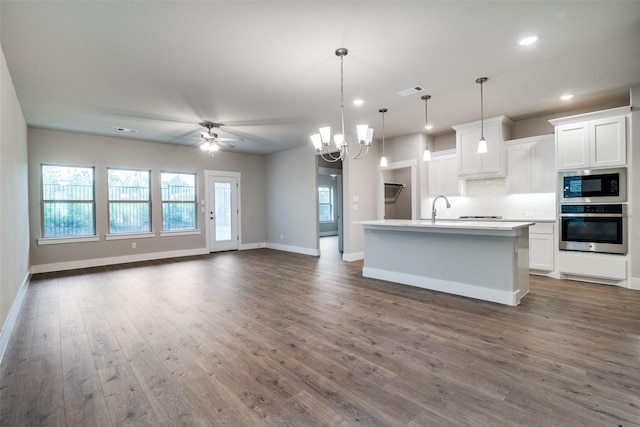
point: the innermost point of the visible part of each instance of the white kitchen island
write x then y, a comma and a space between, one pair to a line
486, 260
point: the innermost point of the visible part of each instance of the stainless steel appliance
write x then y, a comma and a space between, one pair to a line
594, 228
593, 186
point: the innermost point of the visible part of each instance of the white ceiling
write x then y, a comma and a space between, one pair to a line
267, 70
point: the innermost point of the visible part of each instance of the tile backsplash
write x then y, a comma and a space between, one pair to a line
490, 197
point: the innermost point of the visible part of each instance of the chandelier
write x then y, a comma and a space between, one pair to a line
322, 140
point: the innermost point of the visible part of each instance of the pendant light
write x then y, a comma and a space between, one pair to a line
426, 155
321, 140
383, 160
482, 144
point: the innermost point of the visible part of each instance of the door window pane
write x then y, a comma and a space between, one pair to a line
223, 211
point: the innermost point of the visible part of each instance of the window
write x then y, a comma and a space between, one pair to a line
68, 201
129, 201
325, 203
178, 201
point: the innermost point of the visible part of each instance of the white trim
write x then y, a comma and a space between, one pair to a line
634, 283
456, 288
179, 233
97, 262
296, 249
10, 323
248, 246
355, 256
129, 236
61, 240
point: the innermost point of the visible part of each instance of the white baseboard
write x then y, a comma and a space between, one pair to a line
7, 329
98, 262
296, 249
354, 256
634, 283
456, 288
246, 246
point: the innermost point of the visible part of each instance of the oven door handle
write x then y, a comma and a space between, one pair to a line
589, 215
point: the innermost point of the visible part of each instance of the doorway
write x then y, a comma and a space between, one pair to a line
395, 202
330, 223
223, 211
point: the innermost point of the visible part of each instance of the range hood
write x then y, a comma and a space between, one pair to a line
392, 191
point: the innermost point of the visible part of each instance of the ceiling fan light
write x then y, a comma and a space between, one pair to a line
482, 145
215, 147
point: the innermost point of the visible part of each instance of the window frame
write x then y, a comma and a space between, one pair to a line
47, 240
331, 204
111, 235
194, 202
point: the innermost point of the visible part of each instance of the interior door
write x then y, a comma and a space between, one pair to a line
223, 213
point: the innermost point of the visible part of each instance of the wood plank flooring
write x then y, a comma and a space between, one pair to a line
264, 337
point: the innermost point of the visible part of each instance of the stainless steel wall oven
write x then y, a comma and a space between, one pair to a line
594, 228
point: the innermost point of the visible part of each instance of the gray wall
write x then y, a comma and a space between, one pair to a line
292, 200
49, 146
14, 209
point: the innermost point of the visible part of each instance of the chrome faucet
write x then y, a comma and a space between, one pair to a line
433, 207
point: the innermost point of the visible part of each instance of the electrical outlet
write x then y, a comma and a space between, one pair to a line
133, 245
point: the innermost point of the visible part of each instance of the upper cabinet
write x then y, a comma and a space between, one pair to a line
489, 164
592, 140
443, 174
531, 165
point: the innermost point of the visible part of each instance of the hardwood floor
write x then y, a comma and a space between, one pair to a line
264, 337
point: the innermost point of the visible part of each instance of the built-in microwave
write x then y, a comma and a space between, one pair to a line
593, 186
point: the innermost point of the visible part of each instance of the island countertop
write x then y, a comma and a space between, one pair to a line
443, 226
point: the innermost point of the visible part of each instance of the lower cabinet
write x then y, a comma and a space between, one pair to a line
542, 243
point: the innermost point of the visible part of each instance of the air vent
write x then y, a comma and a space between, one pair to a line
126, 130
411, 91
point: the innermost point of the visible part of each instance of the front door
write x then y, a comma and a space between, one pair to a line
223, 213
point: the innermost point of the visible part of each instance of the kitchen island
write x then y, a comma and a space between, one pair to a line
487, 260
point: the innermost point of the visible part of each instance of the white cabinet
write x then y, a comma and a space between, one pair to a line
489, 164
443, 174
592, 140
531, 165
542, 247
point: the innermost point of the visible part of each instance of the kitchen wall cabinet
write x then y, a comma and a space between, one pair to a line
490, 164
592, 140
443, 174
531, 165
542, 247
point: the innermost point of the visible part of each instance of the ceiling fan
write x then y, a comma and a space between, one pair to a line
211, 142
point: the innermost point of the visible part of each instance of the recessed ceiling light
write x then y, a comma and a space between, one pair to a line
358, 102
527, 40
566, 97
